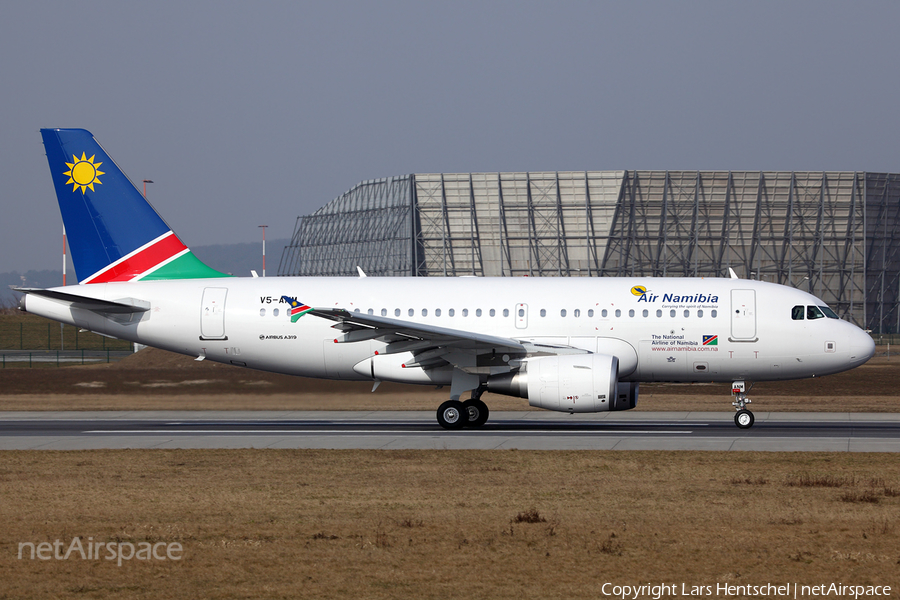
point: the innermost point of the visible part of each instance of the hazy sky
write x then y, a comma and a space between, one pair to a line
251, 113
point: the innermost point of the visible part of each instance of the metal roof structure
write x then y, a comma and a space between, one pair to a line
833, 234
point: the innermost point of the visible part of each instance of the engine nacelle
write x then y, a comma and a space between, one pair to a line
569, 383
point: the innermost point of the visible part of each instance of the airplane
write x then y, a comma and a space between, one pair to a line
575, 345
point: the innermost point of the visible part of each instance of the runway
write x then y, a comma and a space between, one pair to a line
531, 430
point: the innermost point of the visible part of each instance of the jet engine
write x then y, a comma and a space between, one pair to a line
569, 383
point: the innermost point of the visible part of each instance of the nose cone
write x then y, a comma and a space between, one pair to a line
862, 347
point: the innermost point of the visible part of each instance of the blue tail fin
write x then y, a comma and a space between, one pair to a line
113, 232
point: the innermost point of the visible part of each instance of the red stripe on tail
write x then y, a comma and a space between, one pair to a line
141, 262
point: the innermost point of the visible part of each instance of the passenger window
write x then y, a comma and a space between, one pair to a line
492, 312
813, 312
451, 312
604, 313
672, 313
590, 312
687, 313
412, 312
262, 312
576, 312
797, 313
383, 312
700, 314
275, 312
543, 312
646, 313
371, 311
437, 312
562, 313
396, 312
477, 312
618, 313
521, 312
506, 312
659, 313
465, 312
713, 313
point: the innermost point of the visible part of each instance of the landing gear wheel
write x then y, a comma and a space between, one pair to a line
477, 412
452, 415
744, 419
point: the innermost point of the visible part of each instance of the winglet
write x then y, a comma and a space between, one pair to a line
732, 274
360, 271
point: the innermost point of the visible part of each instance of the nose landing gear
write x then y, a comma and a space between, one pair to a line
744, 418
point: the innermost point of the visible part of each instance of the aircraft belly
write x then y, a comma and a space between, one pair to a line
339, 359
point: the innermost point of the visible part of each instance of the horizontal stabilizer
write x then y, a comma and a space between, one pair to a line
92, 304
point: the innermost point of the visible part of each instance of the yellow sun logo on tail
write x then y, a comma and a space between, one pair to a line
83, 172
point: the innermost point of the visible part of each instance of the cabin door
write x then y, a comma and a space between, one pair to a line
743, 315
212, 314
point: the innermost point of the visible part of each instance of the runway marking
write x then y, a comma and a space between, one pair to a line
312, 423
382, 431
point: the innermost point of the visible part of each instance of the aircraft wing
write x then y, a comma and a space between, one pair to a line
432, 346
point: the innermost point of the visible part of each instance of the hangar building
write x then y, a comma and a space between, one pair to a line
830, 233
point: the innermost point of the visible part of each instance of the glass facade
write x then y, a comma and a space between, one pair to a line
830, 233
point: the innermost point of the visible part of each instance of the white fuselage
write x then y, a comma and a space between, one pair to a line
679, 330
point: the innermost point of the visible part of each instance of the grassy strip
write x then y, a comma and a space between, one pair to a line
433, 524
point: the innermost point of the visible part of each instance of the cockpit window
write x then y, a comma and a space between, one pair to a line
797, 313
829, 313
813, 312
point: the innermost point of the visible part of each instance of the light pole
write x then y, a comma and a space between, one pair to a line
62, 339
146, 181
64, 255
264, 248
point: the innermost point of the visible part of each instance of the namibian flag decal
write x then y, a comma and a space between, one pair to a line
710, 340
298, 309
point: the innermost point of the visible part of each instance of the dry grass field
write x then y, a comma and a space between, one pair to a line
434, 524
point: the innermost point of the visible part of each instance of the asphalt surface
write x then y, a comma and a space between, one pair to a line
853, 432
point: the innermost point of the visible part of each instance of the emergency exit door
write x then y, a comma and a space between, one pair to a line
521, 316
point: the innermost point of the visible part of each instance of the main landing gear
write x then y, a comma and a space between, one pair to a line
454, 414
744, 418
